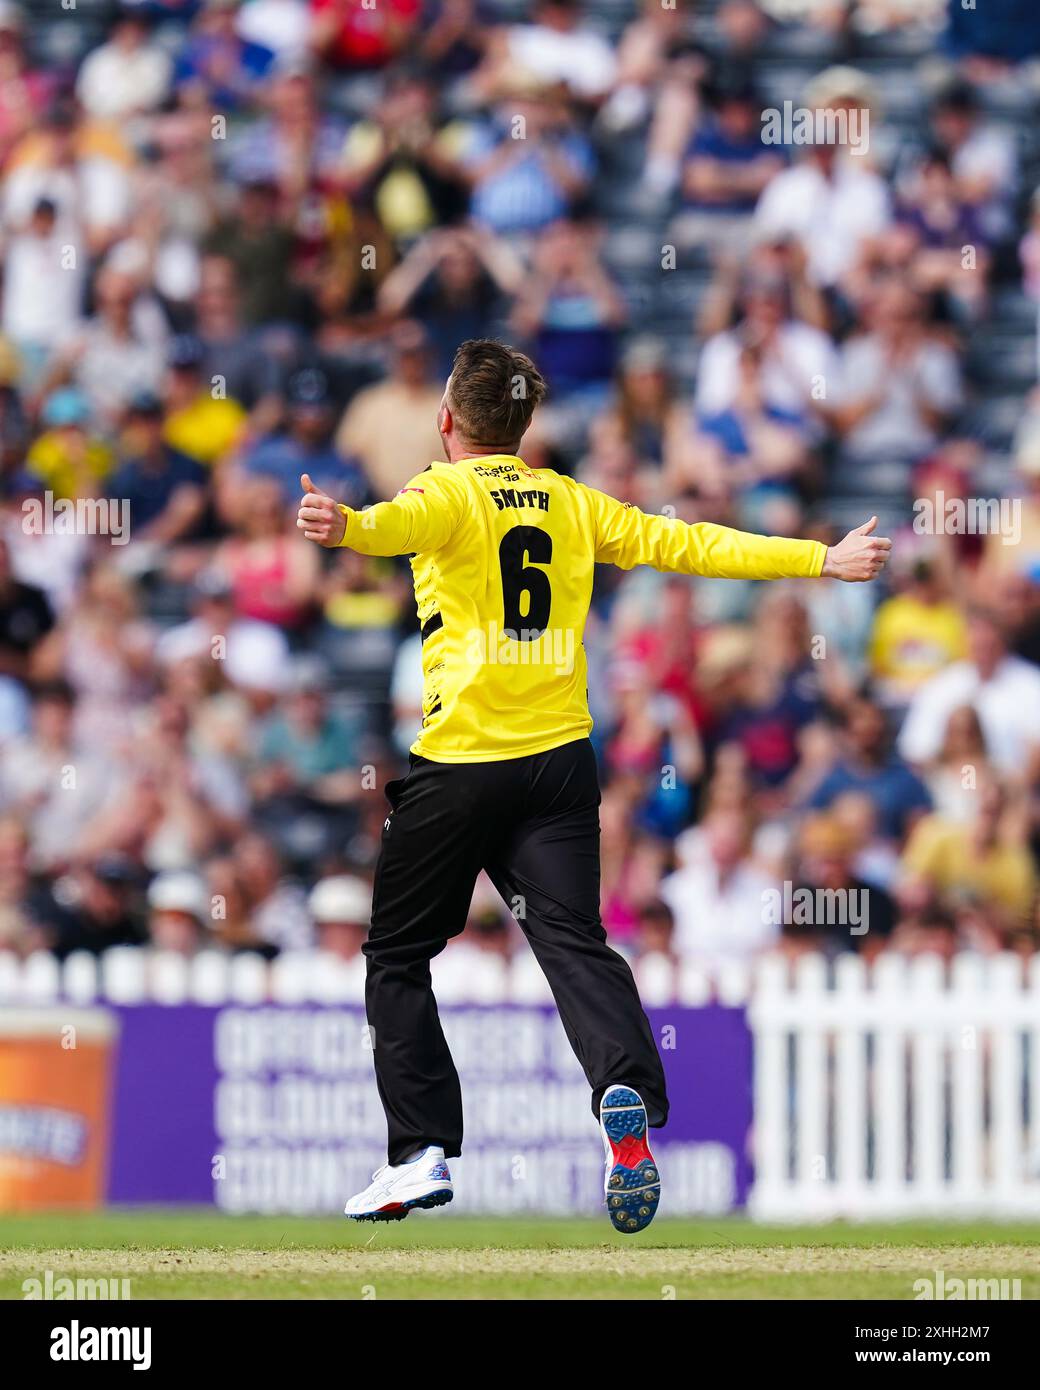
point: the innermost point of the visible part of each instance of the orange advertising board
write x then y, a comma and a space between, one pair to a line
55, 1098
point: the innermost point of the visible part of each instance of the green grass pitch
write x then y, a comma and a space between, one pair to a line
200, 1254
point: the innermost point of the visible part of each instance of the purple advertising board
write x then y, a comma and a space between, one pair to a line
275, 1109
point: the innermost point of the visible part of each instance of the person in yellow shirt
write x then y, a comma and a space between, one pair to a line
200, 421
66, 457
985, 863
915, 634
503, 776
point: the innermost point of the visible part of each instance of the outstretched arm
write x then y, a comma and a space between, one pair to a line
625, 536
421, 517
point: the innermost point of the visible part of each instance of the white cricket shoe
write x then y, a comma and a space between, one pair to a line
394, 1191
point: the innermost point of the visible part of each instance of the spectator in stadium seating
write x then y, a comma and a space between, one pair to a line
341, 908
960, 767
277, 903
84, 168
531, 164
951, 255
296, 146
1003, 689
68, 457
231, 353
178, 912
456, 281
399, 166
569, 311
305, 446
556, 47
797, 358
718, 900
305, 751
772, 694
25, 90
829, 200
456, 39
103, 647
982, 157
867, 764
202, 420
257, 242
391, 427
983, 866
987, 43
31, 773
126, 76
351, 38
646, 408
916, 633
845, 912
165, 489
728, 164
217, 67
29, 913
655, 932
103, 908
900, 386
26, 616
40, 307
274, 578
118, 352
648, 43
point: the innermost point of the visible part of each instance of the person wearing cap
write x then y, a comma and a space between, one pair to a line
68, 457
179, 912
165, 489
341, 909
390, 426
201, 422
305, 445
829, 201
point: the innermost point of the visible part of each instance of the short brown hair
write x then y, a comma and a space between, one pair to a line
493, 392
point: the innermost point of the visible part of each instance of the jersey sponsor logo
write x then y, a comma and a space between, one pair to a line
508, 472
513, 497
410, 489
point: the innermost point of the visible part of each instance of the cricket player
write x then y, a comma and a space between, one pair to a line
502, 775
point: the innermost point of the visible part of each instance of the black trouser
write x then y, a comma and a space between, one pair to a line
533, 824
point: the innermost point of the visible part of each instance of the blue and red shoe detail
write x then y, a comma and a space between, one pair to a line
633, 1185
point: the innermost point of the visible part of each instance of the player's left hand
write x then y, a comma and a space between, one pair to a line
319, 516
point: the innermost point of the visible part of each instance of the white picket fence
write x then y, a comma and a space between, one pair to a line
897, 1092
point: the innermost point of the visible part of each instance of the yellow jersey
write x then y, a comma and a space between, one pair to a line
503, 558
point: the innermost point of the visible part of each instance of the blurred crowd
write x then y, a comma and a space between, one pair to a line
241, 241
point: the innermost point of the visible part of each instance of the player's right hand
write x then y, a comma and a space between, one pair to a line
859, 557
319, 517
